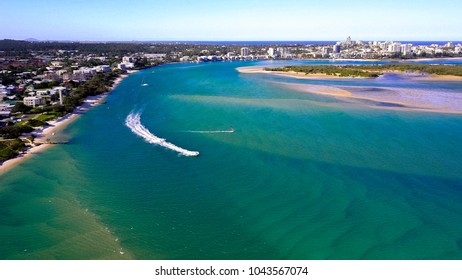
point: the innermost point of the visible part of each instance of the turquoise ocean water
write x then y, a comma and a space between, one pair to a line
303, 176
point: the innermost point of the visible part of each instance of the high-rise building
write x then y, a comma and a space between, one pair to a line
406, 48
245, 51
336, 48
283, 52
394, 48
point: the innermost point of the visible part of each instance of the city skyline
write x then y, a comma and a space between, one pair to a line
206, 20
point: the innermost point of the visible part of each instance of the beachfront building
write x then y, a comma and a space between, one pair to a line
102, 68
122, 66
155, 56
127, 59
125, 65
32, 101
83, 73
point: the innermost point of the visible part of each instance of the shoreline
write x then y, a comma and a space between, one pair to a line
300, 75
387, 102
432, 59
385, 59
45, 133
292, 74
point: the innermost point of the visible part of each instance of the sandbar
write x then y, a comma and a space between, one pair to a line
291, 74
389, 98
318, 89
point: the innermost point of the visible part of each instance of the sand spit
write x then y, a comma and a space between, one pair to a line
298, 75
378, 97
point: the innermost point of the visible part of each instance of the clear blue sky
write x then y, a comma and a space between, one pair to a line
231, 20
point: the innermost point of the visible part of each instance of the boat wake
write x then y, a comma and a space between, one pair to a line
209, 131
133, 121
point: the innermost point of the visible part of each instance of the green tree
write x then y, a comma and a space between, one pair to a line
21, 107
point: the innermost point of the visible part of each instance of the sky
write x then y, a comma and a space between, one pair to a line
236, 20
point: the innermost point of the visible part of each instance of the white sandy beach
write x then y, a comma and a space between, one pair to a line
46, 134
297, 75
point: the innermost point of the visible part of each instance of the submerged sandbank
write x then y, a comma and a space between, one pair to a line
399, 98
318, 89
386, 98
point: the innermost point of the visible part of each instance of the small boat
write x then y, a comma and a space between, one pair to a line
231, 130
143, 84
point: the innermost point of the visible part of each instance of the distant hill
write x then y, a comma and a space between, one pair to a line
31, 40
114, 48
9, 45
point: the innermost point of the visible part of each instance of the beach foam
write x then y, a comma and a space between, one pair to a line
133, 121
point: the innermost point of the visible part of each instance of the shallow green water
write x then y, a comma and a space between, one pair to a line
302, 177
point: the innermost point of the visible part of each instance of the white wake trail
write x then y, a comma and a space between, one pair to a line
209, 131
133, 121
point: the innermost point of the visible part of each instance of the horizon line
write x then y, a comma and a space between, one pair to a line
31, 40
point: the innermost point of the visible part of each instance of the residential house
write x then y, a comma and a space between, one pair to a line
32, 101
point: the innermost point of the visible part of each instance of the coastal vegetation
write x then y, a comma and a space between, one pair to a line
15, 130
333, 70
10, 148
98, 84
371, 71
32, 118
173, 50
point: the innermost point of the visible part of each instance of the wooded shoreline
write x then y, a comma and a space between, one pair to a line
371, 71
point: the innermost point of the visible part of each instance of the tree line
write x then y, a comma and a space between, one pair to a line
371, 71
